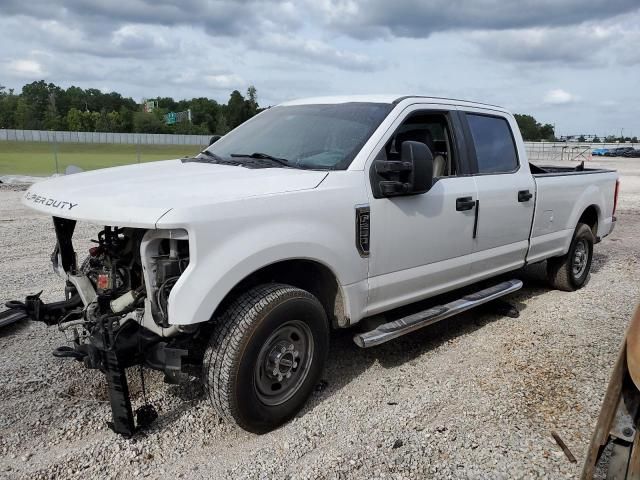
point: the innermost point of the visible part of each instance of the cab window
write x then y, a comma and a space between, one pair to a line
494, 144
431, 129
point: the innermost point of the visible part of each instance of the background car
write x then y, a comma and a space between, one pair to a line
617, 152
633, 153
599, 151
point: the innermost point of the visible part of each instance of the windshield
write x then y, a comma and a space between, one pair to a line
305, 136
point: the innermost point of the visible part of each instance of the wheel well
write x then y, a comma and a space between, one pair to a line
590, 217
308, 275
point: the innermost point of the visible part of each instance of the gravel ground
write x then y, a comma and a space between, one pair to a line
473, 397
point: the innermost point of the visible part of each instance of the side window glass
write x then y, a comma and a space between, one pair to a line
432, 129
495, 148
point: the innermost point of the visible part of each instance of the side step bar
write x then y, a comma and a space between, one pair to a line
410, 323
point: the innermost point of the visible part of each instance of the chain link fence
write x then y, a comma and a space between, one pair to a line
557, 152
552, 152
44, 153
10, 135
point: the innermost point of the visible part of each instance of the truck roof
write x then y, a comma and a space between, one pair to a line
385, 98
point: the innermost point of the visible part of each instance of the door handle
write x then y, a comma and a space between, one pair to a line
464, 203
524, 195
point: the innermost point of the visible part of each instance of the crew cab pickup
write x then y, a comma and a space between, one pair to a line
311, 216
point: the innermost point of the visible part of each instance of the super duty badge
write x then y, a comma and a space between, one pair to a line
49, 202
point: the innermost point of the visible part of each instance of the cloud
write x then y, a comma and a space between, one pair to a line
24, 68
225, 81
139, 28
138, 38
108, 15
578, 44
420, 19
514, 52
128, 41
558, 96
518, 30
315, 50
218, 17
608, 103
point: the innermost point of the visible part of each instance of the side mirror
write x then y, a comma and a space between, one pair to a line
412, 175
420, 156
214, 139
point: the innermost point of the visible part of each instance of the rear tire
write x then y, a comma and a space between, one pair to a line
570, 272
266, 354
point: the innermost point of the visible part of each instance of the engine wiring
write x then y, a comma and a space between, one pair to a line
162, 294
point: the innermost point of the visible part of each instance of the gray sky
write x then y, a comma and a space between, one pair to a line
575, 63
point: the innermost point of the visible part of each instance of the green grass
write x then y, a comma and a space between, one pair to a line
36, 158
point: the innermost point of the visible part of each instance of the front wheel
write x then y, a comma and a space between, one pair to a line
266, 354
570, 271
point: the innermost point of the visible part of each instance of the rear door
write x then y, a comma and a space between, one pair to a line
506, 192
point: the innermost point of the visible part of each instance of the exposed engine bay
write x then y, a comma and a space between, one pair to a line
115, 270
115, 312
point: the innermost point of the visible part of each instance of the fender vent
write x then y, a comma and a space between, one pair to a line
362, 231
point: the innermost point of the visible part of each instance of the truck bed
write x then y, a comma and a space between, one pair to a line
550, 170
562, 195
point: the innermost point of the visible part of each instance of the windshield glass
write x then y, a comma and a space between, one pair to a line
306, 136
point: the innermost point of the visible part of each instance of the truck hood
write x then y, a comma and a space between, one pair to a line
138, 195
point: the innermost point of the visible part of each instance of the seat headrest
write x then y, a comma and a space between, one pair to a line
421, 135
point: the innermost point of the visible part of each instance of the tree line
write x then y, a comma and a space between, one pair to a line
46, 106
607, 139
532, 130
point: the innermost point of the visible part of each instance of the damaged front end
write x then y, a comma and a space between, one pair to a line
115, 308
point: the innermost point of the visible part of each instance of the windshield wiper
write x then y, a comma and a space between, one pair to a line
212, 158
212, 155
263, 156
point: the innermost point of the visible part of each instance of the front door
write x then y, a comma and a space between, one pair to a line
420, 244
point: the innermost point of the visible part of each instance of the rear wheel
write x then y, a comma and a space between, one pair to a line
266, 354
571, 271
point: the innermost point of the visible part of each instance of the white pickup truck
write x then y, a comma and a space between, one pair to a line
313, 215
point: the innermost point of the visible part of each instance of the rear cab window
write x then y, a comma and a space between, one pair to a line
494, 144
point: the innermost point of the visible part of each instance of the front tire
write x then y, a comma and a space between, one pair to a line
265, 355
570, 272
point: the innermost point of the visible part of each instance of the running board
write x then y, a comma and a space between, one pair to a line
410, 323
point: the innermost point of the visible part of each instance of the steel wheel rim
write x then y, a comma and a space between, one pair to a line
580, 258
283, 363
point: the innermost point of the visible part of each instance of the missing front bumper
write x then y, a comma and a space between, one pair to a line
113, 345
112, 352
